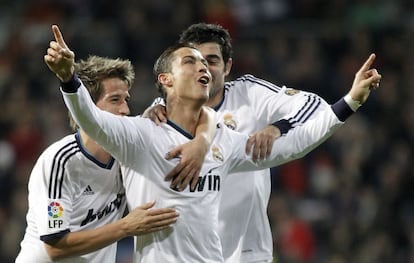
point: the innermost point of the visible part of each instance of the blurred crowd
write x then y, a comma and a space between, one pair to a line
350, 200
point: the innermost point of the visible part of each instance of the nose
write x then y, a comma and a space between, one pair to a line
203, 67
124, 109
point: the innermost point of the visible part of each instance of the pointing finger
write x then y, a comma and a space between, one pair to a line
58, 36
368, 63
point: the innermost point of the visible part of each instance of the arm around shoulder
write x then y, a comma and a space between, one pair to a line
141, 220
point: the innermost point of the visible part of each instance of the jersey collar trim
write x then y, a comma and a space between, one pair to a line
90, 157
180, 130
217, 107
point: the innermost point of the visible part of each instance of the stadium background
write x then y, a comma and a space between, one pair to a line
351, 200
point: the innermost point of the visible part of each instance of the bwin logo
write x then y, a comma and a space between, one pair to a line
108, 209
208, 182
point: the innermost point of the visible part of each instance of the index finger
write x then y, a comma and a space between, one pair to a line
58, 36
368, 63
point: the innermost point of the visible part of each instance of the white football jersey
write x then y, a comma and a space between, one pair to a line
140, 146
69, 190
249, 105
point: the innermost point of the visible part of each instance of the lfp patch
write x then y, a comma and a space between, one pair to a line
55, 210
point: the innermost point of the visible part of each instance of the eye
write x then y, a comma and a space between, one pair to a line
213, 61
189, 60
115, 99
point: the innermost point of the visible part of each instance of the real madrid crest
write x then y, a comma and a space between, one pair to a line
217, 155
229, 121
291, 92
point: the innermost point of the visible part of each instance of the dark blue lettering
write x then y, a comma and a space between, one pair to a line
108, 209
213, 183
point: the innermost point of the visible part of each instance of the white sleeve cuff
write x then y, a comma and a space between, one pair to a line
353, 104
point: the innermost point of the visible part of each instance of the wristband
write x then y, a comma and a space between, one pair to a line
72, 85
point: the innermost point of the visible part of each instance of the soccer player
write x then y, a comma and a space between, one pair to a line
76, 195
246, 105
182, 76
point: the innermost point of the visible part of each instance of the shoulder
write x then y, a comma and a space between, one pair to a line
65, 143
67, 146
241, 81
249, 81
54, 158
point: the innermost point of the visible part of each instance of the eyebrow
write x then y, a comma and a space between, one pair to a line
212, 56
117, 95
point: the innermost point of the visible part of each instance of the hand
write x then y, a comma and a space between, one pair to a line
156, 113
366, 79
188, 170
59, 58
144, 220
262, 142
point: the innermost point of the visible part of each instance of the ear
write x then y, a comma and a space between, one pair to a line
165, 79
227, 67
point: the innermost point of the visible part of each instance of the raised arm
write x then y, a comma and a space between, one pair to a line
366, 79
141, 220
306, 137
113, 132
260, 143
59, 58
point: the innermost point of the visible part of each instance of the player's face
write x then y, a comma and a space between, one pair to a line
190, 75
114, 97
219, 71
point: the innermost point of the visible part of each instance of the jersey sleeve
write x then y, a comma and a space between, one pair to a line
283, 107
50, 195
124, 137
293, 145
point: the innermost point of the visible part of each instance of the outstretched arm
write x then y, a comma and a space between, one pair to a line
303, 139
366, 79
261, 142
141, 220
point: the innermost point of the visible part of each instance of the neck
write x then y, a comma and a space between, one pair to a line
93, 148
185, 115
215, 98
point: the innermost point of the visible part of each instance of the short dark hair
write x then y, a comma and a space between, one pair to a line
164, 63
202, 33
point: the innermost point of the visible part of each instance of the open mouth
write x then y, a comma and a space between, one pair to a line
204, 80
